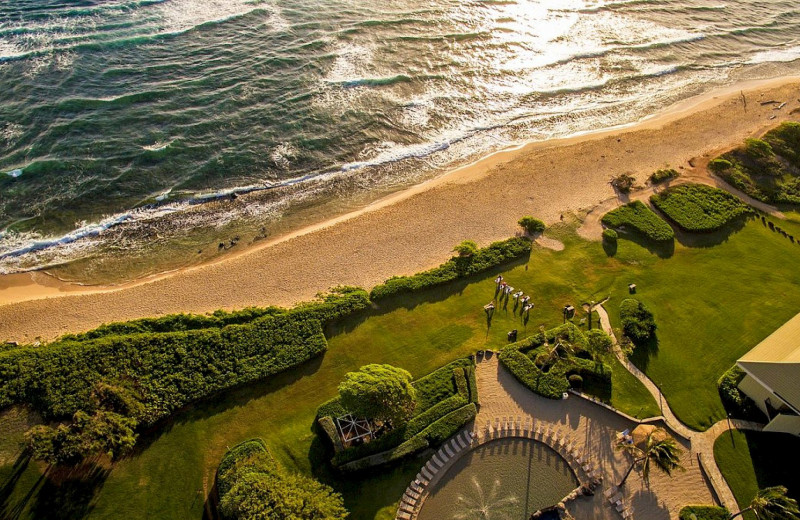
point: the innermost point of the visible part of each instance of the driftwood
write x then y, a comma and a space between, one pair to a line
780, 106
770, 102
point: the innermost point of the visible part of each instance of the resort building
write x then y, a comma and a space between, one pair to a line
773, 377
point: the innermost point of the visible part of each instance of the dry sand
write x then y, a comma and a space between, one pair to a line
415, 229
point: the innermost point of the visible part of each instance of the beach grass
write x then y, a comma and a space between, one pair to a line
713, 297
750, 461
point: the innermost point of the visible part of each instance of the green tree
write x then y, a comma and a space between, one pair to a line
466, 248
599, 344
379, 392
637, 320
87, 435
659, 449
772, 504
531, 225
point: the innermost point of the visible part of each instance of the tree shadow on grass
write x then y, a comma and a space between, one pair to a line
714, 238
412, 299
610, 247
69, 493
643, 351
662, 249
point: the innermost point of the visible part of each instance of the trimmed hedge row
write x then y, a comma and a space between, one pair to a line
699, 208
638, 217
519, 357
439, 394
704, 513
457, 267
167, 370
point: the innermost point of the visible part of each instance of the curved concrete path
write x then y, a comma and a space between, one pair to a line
702, 442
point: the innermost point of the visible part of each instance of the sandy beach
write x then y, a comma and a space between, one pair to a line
417, 228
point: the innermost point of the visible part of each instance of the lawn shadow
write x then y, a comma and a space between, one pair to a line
610, 247
663, 249
643, 351
69, 493
712, 239
226, 399
766, 448
410, 300
6, 491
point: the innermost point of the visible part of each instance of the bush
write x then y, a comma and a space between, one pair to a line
380, 392
531, 225
640, 218
637, 320
252, 486
484, 259
610, 236
699, 208
466, 248
623, 183
704, 513
720, 165
735, 401
663, 175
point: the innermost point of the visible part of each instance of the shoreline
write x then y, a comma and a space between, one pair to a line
711, 121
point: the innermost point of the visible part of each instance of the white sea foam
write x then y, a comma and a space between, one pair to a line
779, 54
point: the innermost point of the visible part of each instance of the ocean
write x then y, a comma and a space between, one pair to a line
142, 136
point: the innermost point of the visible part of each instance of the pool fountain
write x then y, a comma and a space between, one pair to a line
503, 479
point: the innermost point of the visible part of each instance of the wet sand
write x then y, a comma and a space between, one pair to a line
415, 229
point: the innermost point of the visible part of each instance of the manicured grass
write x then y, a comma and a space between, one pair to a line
711, 304
750, 461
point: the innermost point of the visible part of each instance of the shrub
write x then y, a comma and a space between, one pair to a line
531, 225
609, 235
251, 486
735, 401
663, 175
466, 248
704, 513
699, 208
484, 259
719, 165
623, 183
640, 218
575, 381
637, 320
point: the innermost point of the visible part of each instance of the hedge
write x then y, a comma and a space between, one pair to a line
638, 217
638, 322
168, 370
663, 175
439, 394
704, 513
455, 268
519, 357
699, 208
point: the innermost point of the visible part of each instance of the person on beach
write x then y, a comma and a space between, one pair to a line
499, 279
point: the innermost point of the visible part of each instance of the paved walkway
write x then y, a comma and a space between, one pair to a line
702, 442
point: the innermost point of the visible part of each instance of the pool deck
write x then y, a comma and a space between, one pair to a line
593, 428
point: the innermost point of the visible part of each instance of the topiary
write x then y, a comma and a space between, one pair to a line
531, 225
609, 235
575, 381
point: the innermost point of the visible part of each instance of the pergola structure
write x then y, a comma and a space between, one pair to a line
352, 428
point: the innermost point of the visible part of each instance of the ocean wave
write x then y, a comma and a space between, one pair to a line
780, 54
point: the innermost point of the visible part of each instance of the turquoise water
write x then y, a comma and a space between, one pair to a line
506, 479
126, 125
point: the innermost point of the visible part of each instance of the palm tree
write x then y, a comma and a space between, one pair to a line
772, 504
660, 450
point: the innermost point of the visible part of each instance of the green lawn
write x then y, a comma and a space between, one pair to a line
712, 304
750, 461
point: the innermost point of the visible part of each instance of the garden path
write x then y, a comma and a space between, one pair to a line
702, 443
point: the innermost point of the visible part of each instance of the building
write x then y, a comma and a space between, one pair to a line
773, 377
